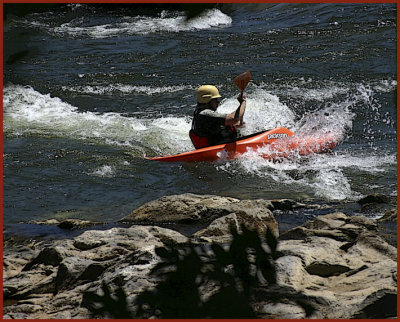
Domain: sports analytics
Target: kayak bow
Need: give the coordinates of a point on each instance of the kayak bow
(278, 143)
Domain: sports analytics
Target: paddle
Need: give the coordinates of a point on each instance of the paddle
(241, 82)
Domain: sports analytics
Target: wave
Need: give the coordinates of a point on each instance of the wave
(124, 89)
(28, 112)
(309, 89)
(167, 21)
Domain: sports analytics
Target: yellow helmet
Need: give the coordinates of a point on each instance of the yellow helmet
(206, 93)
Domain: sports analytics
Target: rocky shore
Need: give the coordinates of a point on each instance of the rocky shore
(344, 265)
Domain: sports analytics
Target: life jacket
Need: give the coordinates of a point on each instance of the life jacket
(198, 141)
(209, 132)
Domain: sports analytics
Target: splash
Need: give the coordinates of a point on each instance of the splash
(123, 89)
(325, 175)
(27, 111)
(264, 111)
(140, 25)
(106, 171)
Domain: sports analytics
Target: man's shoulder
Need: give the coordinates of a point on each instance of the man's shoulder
(211, 113)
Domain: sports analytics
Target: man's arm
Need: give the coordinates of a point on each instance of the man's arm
(236, 118)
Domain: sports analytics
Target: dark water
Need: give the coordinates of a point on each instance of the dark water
(89, 90)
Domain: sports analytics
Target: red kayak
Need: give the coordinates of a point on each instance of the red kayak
(273, 144)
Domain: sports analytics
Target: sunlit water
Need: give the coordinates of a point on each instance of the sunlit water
(100, 89)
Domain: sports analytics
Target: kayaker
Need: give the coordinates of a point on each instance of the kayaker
(210, 127)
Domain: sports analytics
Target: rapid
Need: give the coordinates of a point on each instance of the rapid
(101, 87)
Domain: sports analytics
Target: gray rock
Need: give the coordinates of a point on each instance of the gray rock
(389, 216)
(286, 204)
(374, 198)
(343, 271)
(76, 224)
(122, 256)
(48, 256)
(47, 222)
(219, 229)
(40, 280)
(70, 271)
(336, 263)
(191, 208)
(380, 304)
(387, 226)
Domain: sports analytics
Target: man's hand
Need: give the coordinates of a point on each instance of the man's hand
(240, 125)
(241, 98)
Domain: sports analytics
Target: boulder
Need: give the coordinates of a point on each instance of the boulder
(374, 198)
(190, 208)
(76, 224)
(119, 256)
(337, 264)
(342, 261)
(286, 204)
(219, 230)
(387, 226)
(377, 203)
(48, 256)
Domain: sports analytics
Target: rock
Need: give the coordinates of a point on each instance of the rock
(46, 222)
(376, 244)
(69, 272)
(280, 311)
(389, 216)
(191, 208)
(337, 264)
(374, 198)
(219, 229)
(291, 304)
(325, 269)
(339, 259)
(48, 256)
(380, 304)
(362, 221)
(186, 208)
(377, 203)
(387, 226)
(15, 258)
(286, 204)
(76, 224)
(122, 256)
(37, 281)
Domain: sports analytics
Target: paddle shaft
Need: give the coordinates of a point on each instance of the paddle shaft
(241, 82)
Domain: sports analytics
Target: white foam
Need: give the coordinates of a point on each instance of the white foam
(166, 22)
(327, 90)
(385, 86)
(28, 111)
(332, 184)
(335, 118)
(263, 111)
(106, 171)
(124, 89)
(324, 174)
(318, 94)
(360, 161)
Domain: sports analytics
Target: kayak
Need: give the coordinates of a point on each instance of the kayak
(273, 144)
